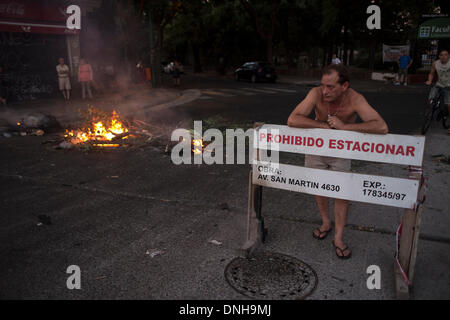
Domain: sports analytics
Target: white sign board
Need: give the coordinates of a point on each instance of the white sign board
(393, 53)
(387, 148)
(395, 192)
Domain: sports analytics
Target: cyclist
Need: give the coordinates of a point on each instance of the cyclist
(442, 68)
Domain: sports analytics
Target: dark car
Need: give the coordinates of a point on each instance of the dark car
(256, 71)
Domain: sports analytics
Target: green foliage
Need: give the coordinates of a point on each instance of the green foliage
(225, 31)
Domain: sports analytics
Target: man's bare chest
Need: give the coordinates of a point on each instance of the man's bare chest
(344, 111)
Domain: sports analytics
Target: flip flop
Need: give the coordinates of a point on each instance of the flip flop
(319, 237)
(343, 257)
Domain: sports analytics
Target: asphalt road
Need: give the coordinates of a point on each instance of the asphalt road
(108, 211)
(272, 103)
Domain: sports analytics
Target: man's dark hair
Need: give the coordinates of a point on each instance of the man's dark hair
(341, 70)
(442, 50)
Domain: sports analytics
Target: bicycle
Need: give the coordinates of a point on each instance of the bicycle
(436, 104)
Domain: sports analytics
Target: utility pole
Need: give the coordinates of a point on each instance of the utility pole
(152, 52)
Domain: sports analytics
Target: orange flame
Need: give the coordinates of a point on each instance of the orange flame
(98, 131)
(197, 146)
(107, 145)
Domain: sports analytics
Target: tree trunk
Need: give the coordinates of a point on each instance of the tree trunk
(291, 59)
(196, 55)
(352, 56)
(156, 67)
(315, 57)
(345, 57)
(155, 55)
(372, 53)
(269, 43)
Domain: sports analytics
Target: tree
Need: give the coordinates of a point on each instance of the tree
(264, 28)
(142, 24)
(129, 13)
(161, 12)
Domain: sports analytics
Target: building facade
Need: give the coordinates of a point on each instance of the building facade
(33, 36)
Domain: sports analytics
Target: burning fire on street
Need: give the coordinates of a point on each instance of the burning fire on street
(97, 129)
(101, 130)
(197, 146)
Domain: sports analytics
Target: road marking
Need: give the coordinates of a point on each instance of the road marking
(217, 93)
(260, 91)
(237, 92)
(207, 93)
(281, 90)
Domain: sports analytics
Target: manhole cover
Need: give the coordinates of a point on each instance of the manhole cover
(270, 275)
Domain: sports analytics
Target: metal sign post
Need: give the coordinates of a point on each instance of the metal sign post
(255, 223)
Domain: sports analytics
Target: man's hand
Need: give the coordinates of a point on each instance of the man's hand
(335, 123)
(324, 125)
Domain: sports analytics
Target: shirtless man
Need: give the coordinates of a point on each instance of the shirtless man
(336, 106)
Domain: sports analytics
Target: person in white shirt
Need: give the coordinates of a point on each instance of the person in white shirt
(441, 68)
(335, 59)
(63, 79)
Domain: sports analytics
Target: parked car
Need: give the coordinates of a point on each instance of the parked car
(256, 71)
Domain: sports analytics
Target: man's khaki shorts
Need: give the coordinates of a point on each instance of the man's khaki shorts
(403, 72)
(327, 163)
(64, 83)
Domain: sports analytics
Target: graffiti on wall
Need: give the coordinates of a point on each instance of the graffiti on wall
(29, 62)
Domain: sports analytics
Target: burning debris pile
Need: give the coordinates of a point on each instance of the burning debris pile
(97, 129)
(101, 129)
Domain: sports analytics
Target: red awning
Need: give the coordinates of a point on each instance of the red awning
(34, 17)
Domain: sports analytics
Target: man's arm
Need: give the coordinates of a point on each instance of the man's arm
(410, 63)
(372, 121)
(299, 117)
(431, 74)
(62, 71)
